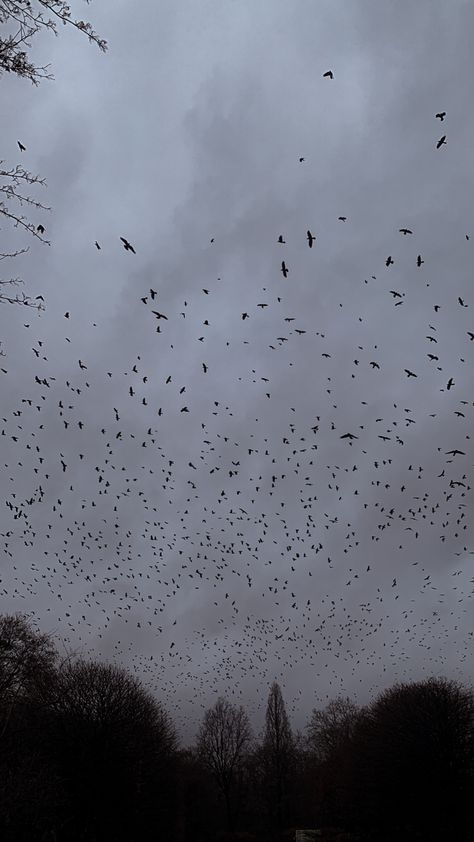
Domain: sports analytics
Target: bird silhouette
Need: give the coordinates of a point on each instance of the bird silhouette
(22, 148)
(441, 115)
(441, 141)
(127, 246)
(284, 269)
(328, 75)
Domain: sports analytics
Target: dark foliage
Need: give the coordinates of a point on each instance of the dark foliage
(87, 754)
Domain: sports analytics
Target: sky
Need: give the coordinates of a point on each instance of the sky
(180, 495)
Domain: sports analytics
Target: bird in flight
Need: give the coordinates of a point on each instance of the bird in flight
(405, 231)
(441, 115)
(22, 148)
(40, 228)
(349, 436)
(328, 75)
(342, 218)
(441, 141)
(284, 269)
(419, 260)
(410, 373)
(388, 261)
(301, 160)
(127, 246)
(97, 245)
(280, 239)
(310, 238)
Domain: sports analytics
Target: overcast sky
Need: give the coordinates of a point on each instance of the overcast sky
(242, 541)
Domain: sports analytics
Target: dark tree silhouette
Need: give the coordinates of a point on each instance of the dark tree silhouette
(278, 755)
(223, 740)
(114, 747)
(331, 728)
(413, 760)
(27, 658)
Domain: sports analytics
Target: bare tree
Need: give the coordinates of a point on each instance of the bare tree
(26, 659)
(223, 738)
(114, 745)
(278, 751)
(413, 760)
(14, 196)
(21, 20)
(330, 729)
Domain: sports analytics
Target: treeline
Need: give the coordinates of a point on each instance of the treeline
(88, 755)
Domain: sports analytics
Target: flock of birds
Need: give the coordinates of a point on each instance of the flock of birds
(218, 532)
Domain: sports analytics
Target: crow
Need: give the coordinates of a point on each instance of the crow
(127, 246)
(22, 148)
(388, 261)
(284, 269)
(441, 115)
(441, 141)
(328, 75)
(311, 239)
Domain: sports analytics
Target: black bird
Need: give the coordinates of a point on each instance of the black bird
(470, 334)
(410, 373)
(280, 238)
(342, 218)
(455, 453)
(284, 269)
(40, 228)
(441, 115)
(389, 261)
(97, 245)
(441, 141)
(328, 75)
(301, 160)
(159, 315)
(311, 239)
(348, 436)
(152, 293)
(22, 148)
(127, 246)
(419, 261)
(405, 231)
(461, 301)
(450, 383)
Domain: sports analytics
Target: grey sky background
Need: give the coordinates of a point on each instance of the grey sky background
(222, 577)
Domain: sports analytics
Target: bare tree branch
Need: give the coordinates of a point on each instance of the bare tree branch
(28, 18)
